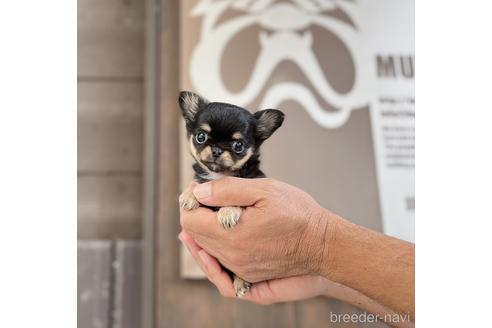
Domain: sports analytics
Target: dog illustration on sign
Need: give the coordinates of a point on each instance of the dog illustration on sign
(284, 36)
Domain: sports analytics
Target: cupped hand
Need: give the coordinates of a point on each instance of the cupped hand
(282, 231)
(265, 292)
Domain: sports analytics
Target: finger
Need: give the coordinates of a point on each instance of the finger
(285, 289)
(230, 191)
(193, 248)
(209, 265)
(216, 275)
(191, 185)
(202, 221)
(189, 242)
(260, 293)
(265, 293)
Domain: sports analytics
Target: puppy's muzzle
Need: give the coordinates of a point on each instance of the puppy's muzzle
(216, 152)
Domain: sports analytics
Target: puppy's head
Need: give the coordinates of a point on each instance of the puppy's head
(223, 137)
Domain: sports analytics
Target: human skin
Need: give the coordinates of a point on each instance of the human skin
(292, 248)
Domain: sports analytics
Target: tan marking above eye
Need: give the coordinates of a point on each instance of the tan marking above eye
(206, 127)
(237, 135)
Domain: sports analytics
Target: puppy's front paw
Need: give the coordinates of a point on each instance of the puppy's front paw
(229, 216)
(241, 287)
(187, 201)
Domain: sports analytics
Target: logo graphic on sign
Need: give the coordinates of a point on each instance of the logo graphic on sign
(285, 36)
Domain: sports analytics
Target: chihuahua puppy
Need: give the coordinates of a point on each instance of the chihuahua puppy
(225, 140)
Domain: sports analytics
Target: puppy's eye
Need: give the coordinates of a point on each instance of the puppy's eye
(238, 147)
(201, 137)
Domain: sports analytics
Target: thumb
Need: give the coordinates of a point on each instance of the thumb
(230, 191)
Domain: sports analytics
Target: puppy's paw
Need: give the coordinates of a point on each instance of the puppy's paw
(229, 216)
(241, 287)
(187, 201)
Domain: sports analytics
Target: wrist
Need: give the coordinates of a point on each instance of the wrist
(321, 243)
(328, 266)
(348, 250)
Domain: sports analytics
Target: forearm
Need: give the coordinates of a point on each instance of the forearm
(376, 265)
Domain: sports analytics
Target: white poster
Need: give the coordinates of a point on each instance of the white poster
(392, 108)
(342, 71)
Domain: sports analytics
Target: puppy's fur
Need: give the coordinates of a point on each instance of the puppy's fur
(225, 139)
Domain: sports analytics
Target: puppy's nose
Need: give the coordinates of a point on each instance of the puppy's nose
(216, 151)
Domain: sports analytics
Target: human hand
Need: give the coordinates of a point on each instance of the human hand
(282, 231)
(285, 289)
(265, 292)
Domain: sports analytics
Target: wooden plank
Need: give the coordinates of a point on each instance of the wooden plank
(93, 284)
(127, 284)
(150, 160)
(109, 206)
(110, 38)
(110, 126)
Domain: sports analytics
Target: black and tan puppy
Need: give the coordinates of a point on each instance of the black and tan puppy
(225, 140)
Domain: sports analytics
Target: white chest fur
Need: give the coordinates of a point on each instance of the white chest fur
(211, 176)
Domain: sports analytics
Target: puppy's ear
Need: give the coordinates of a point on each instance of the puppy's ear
(190, 104)
(267, 121)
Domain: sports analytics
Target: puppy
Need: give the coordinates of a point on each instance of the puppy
(225, 140)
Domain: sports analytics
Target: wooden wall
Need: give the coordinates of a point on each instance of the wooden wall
(110, 125)
(109, 281)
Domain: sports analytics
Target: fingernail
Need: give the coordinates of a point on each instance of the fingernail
(203, 190)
